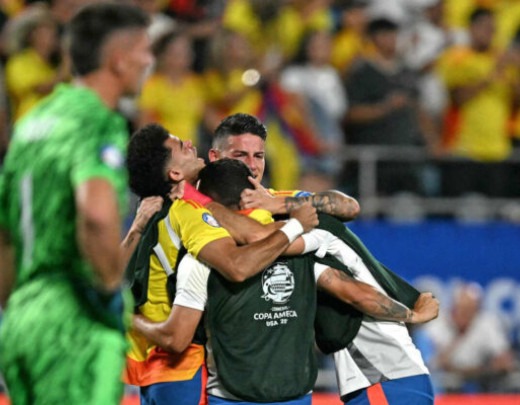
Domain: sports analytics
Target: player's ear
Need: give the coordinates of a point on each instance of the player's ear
(213, 155)
(175, 175)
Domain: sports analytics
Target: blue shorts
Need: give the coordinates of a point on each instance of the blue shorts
(305, 400)
(416, 390)
(188, 392)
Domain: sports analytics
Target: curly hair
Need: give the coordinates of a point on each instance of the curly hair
(146, 161)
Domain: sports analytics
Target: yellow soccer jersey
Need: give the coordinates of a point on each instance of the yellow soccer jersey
(191, 225)
(24, 71)
(259, 215)
(179, 107)
(483, 123)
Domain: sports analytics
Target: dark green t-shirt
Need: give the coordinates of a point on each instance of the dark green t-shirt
(261, 331)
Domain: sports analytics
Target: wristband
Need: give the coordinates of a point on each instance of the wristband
(191, 193)
(292, 229)
(313, 240)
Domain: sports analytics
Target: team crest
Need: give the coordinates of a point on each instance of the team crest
(277, 283)
(210, 220)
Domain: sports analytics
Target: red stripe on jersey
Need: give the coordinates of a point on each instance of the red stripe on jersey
(376, 395)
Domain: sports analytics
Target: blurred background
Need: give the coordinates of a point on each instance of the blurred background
(411, 106)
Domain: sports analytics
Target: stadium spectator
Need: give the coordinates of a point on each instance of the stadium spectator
(311, 76)
(30, 72)
(275, 28)
(472, 353)
(384, 110)
(173, 95)
(482, 85)
(350, 42)
(161, 23)
(421, 43)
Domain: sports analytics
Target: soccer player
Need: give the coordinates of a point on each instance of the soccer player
(260, 331)
(158, 161)
(62, 196)
(242, 136)
(363, 368)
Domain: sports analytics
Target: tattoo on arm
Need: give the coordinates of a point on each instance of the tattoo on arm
(326, 202)
(388, 309)
(366, 298)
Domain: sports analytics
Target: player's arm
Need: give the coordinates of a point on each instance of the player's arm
(371, 302)
(330, 202)
(176, 333)
(98, 231)
(7, 274)
(243, 229)
(173, 335)
(147, 208)
(237, 263)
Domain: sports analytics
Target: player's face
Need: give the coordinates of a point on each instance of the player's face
(135, 61)
(248, 148)
(185, 165)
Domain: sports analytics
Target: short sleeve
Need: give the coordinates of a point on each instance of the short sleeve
(192, 282)
(102, 155)
(319, 269)
(195, 225)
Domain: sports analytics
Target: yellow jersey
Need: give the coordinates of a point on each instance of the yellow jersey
(187, 224)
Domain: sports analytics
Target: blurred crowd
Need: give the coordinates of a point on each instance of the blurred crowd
(438, 75)
(469, 348)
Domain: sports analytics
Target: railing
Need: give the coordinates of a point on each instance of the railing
(406, 206)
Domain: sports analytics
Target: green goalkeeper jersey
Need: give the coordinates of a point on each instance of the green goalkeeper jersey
(67, 139)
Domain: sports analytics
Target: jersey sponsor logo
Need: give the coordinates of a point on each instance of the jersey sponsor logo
(210, 220)
(112, 156)
(277, 283)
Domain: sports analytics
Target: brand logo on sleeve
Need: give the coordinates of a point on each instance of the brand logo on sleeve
(210, 220)
(112, 157)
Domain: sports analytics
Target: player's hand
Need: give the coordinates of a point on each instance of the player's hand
(257, 198)
(177, 190)
(147, 208)
(426, 308)
(307, 215)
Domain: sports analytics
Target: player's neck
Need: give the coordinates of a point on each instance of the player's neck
(103, 84)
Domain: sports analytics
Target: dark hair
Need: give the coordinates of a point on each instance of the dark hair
(146, 161)
(479, 13)
(381, 25)
(238, 124)
(93, 25)
(160, 44)
(224, 180)
(302, 55)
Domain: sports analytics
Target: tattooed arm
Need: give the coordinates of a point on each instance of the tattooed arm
(371, 302)
(331, 202)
